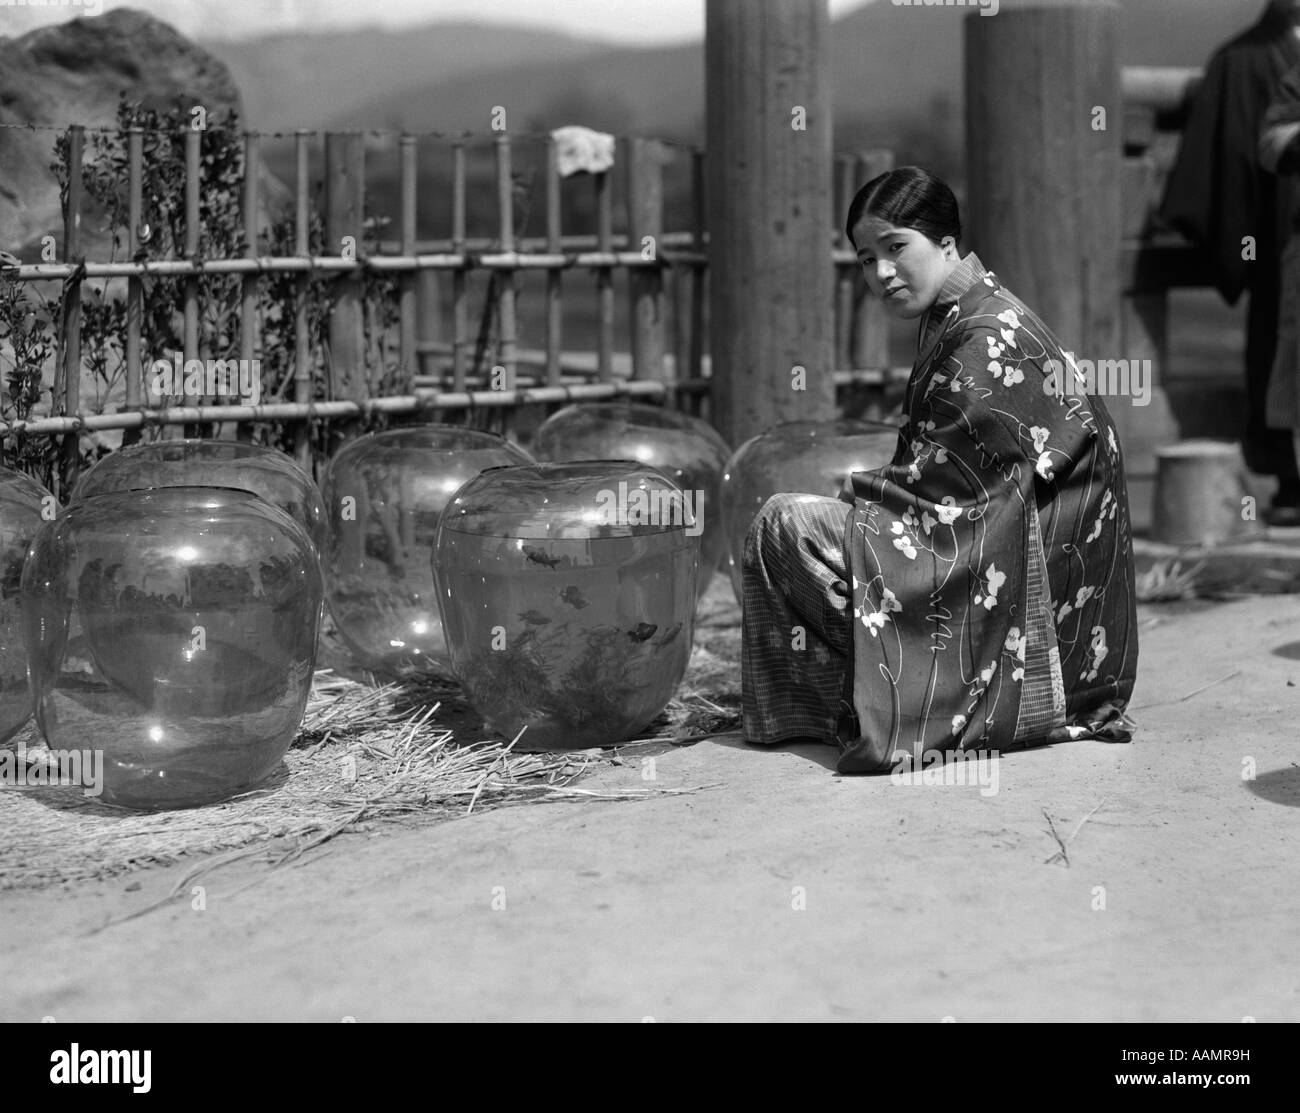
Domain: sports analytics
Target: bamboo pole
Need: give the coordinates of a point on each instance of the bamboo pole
(135, 370)
(459, 305)
(345, 167)
(645, 217)
(71, 446)
(302, 379)
(420, 401)
(478, 245)
(428, 319)
(508, 261)
(554, 289)
(249, 286)
(604, 279)
(507, 338)
(337, 410)
(409, 306)
(193, 183)
(699, 278)
(428, 297)
(679, 337)
(581, 367)
(680, 280)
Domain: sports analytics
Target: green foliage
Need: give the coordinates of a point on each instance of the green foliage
(30, 325)
(27, 323)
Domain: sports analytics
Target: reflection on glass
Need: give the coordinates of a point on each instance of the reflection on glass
(21, 503)
(689, 451)
(384, 496)
(266, 472)
(191, 675)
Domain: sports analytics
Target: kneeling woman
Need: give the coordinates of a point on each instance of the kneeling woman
(978, 591)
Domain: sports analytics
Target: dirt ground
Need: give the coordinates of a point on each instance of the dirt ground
(775, 890)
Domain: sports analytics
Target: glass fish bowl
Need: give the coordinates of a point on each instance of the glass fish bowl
(266, 472)
(568, 595)
(797, 457)
(384, 496)
(174, 630)
(686, 449)
(24, 507)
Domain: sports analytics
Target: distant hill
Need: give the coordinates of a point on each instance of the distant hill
(896, 76)
(890, 66)
(307, 80)
(896, 73)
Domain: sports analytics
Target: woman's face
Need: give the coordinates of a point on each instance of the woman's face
(904, 268)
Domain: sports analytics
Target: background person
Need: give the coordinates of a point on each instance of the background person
(1218, 194)
(1279, 152)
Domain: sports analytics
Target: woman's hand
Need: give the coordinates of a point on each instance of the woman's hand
(847, 493)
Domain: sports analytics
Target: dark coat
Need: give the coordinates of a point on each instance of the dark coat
(1217, 193)
(1283, 401)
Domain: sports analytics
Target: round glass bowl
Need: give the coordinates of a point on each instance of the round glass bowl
(384, 496)
(568, 595)
(798, 457)
(687, 450)
(174, 630)
(24, 507)
(266, 472)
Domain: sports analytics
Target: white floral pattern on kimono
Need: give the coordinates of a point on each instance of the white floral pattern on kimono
(998, 462)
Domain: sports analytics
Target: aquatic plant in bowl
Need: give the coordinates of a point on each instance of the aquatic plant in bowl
(567, 592)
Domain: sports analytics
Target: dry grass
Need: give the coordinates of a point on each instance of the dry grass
(365, 754)
(1165, 581)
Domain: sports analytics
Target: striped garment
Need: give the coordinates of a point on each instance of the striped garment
(795, 629)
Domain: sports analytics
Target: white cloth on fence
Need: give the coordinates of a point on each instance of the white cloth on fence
(578, 148)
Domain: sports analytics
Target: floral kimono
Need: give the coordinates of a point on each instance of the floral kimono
(991, 562)
(979, 592)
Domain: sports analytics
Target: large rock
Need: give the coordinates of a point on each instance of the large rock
(74, 73)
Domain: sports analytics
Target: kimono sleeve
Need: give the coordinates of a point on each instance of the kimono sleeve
(1004, 400)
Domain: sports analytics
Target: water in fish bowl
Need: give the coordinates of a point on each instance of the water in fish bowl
(577, 642)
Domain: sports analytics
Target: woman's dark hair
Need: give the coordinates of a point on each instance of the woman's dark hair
(908, 197)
